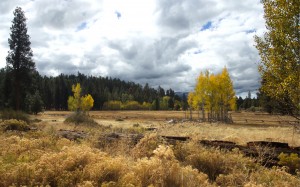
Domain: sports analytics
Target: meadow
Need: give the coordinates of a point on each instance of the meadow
(45, 156)
(247, 126)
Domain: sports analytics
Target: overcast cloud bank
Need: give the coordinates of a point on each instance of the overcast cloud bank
(162, 42)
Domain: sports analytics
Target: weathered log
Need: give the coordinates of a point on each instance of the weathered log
(178, 138)
(72, 134)
(268, 152)
(268, 144)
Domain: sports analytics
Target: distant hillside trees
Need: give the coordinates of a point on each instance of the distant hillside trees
(249, 103)
(213, 94)
(19, 64)
(279, 49)
(106, 92)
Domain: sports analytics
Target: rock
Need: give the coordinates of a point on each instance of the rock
(172, 121)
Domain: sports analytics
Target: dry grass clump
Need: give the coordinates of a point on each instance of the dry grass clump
(129, 130)
(214, 162)
(291, 161)
(12, 114)
(15, 149)
(164, 170)
(146, 146)
(81, 118)
(272, 177)
(14, 125)
(84, 166)
(225, 168)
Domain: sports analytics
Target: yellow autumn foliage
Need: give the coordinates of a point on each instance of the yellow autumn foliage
(279, 50)
(78, 102)
(213, 93)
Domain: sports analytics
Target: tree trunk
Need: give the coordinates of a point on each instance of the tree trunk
(203, 112)
(17, 96)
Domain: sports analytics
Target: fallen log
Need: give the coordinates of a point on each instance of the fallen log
(266, 152)
(176, 138)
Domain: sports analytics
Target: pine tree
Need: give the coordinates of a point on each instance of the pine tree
(19, 61)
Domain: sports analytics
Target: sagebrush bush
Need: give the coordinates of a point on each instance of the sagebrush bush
(14, 125)
(213, 162)
(21, 149)
(272, 177)
(12, 114)
(81, 118)
(146, 146)
(164, 170)
(292, 161)
(84, 166)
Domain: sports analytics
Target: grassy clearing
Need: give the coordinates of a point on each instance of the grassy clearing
(40, 158)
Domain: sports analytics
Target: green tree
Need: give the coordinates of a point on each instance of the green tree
(34, 103)
(2, 79)
(19, 61)
(279, 49)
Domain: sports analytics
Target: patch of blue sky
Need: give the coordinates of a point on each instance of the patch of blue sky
(208, 25)
(82, 26)
(250, 31)
(118, 14)
(197, 52)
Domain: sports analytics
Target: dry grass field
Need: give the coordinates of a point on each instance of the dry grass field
(51, 154)
(247, 126)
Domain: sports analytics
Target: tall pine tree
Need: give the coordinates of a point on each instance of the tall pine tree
(19, 63)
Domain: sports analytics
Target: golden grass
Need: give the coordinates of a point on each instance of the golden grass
(239, 132)
(40, 158)
(48, 160)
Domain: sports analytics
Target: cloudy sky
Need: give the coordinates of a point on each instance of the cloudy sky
(160, 42)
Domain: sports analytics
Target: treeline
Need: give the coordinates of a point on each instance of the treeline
(108, 93)
(249, 103)
(261, 102)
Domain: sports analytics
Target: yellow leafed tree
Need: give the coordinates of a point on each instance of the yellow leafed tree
(279, 49)
(80, 103)
(214, 94)
(227, 91)
(87, 102)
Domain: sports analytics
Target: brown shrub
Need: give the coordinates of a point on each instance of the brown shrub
(213, 162)
(164, 170)
(14, 125)
(146, 146)
(12, 114)
(273, 177)
(81, 118)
